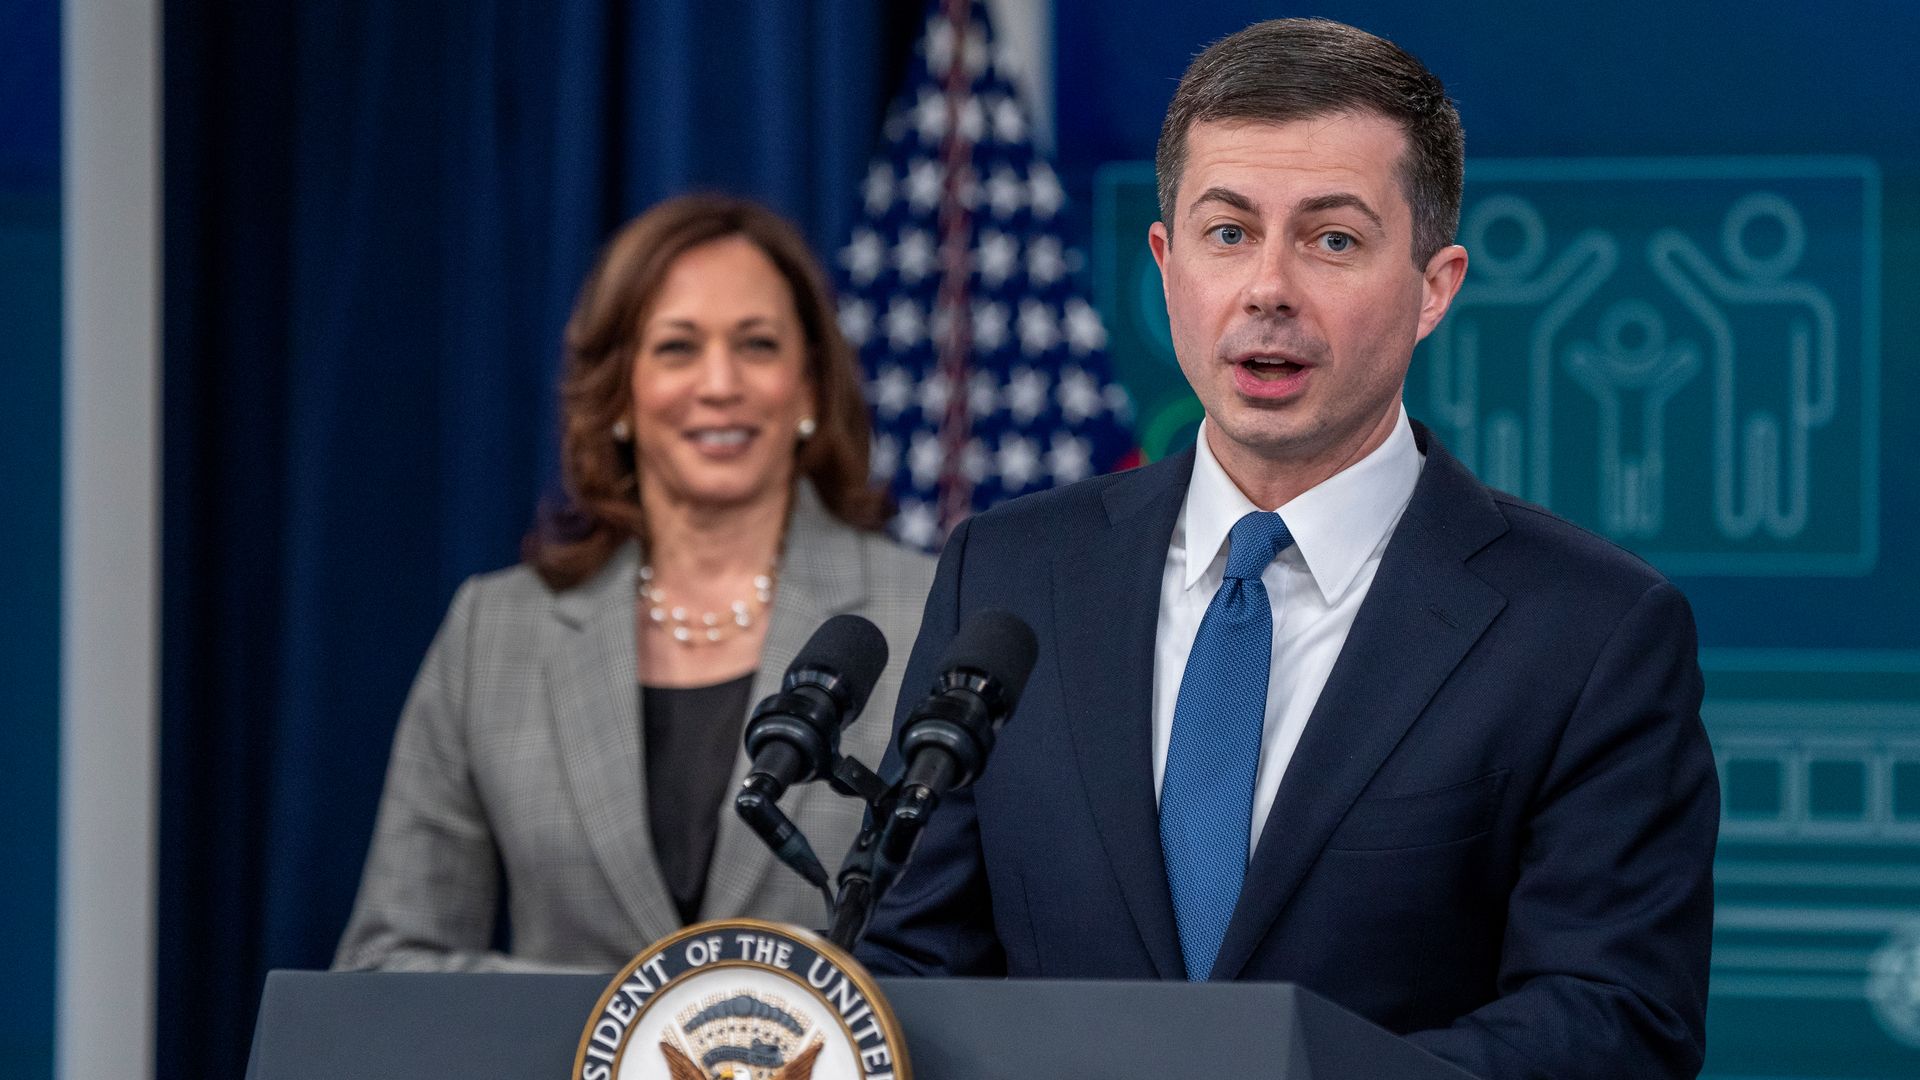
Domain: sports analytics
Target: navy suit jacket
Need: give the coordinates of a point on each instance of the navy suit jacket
(1497, 831)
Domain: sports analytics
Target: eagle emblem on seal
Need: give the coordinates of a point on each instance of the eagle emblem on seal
(742, 1036)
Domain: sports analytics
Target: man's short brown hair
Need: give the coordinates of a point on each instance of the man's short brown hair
(1284, 70)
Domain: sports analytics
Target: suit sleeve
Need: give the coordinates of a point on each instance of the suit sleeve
(938, 919)
(428, 895)
(1604, 960)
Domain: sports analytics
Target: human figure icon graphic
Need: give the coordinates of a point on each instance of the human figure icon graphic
(1501, 428)
(1762, 454)
(1632, 372)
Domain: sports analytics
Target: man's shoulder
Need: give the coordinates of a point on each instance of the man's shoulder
(1520, 546)
(1045, 517)
(1544, 548)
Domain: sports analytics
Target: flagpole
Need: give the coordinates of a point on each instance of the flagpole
(956, 268)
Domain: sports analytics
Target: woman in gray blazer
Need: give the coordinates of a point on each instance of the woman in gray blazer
(573, 735)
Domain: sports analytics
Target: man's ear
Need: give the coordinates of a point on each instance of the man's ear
(1439, 284)
(1160, 241)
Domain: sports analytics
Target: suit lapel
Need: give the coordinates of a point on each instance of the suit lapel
(1107, 606)
(593, 687)
(1422, 614)
(822, 574)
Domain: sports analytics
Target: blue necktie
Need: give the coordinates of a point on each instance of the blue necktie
(1206, 792)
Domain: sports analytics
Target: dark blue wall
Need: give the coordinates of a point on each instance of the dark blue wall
(30, 492)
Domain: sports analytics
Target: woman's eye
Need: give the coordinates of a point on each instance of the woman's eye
(762, 344)
(1229, 235)
(673, 346)
(1337, 242)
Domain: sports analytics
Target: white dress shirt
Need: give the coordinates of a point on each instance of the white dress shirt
(1340, 528)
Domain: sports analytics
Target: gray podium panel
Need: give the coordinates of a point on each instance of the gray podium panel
(326, 1026)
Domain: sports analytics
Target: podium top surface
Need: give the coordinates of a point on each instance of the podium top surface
(372, 1026)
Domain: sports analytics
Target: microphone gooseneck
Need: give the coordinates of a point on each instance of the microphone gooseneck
(793, 737)
(944, 742)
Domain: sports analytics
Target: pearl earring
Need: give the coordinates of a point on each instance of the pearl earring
(621, 432)
(807, 427)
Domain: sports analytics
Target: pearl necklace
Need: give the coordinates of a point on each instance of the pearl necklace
(708, 627)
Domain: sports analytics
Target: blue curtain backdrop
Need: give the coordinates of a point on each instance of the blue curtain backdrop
(30, 450)
(376, 216)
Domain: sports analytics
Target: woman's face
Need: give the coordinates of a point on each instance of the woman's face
(720, 381)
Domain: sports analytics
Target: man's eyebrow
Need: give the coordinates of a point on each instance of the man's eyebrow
(1224, 195)
(1342, 200)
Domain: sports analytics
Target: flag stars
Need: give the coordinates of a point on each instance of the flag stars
(1005, 193)
(989, 326)
(917, 524)
(1026, 394)
(1078, 394)
(975, 463)
(1084, 331)
(966, 190)
(942, 42)
(1009, 123)
(994, 257)
(884, 459)
(933, 396)
(856, 321)
(1044, 191)
(941, 327)
(1046, 260)
(877, 190)
(899, 122)
(973, 120)
(905, 325)
(983, 394)
(915, 255)
(1029, 378)
(925, 177)
(1006, 60)
(930, 116)
(1069, 459)
(864, 256)
(1038, 331)
(1018, 461)
(892, 391)
(925, 459)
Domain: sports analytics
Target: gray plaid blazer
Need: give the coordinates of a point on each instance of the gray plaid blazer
(519, 753)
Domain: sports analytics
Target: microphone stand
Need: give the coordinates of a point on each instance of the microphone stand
(877, 857)
(861, 872)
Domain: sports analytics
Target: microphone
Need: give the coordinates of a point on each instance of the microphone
(794, 735)
(946, 739)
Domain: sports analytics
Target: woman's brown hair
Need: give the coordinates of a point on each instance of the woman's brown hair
(602, 509)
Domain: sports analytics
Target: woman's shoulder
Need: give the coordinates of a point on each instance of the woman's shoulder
(517, 587)
(515, 599)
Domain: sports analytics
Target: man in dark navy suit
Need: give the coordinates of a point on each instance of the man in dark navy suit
(1312, 703)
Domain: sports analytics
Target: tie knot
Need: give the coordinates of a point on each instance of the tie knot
(1254, 541)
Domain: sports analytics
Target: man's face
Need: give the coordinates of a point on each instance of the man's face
(1292, 293)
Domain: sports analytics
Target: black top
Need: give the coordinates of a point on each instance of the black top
(692, 738)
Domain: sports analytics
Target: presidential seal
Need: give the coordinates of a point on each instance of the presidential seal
(742, 999)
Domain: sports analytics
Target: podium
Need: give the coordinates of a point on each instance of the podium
(376, 1026)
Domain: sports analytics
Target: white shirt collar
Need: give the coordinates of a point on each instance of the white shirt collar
(1336, 525)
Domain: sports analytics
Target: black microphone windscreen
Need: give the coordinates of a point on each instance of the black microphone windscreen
(850, 647)
(997, 643)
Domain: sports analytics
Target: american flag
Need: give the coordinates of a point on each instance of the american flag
(985, 363)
